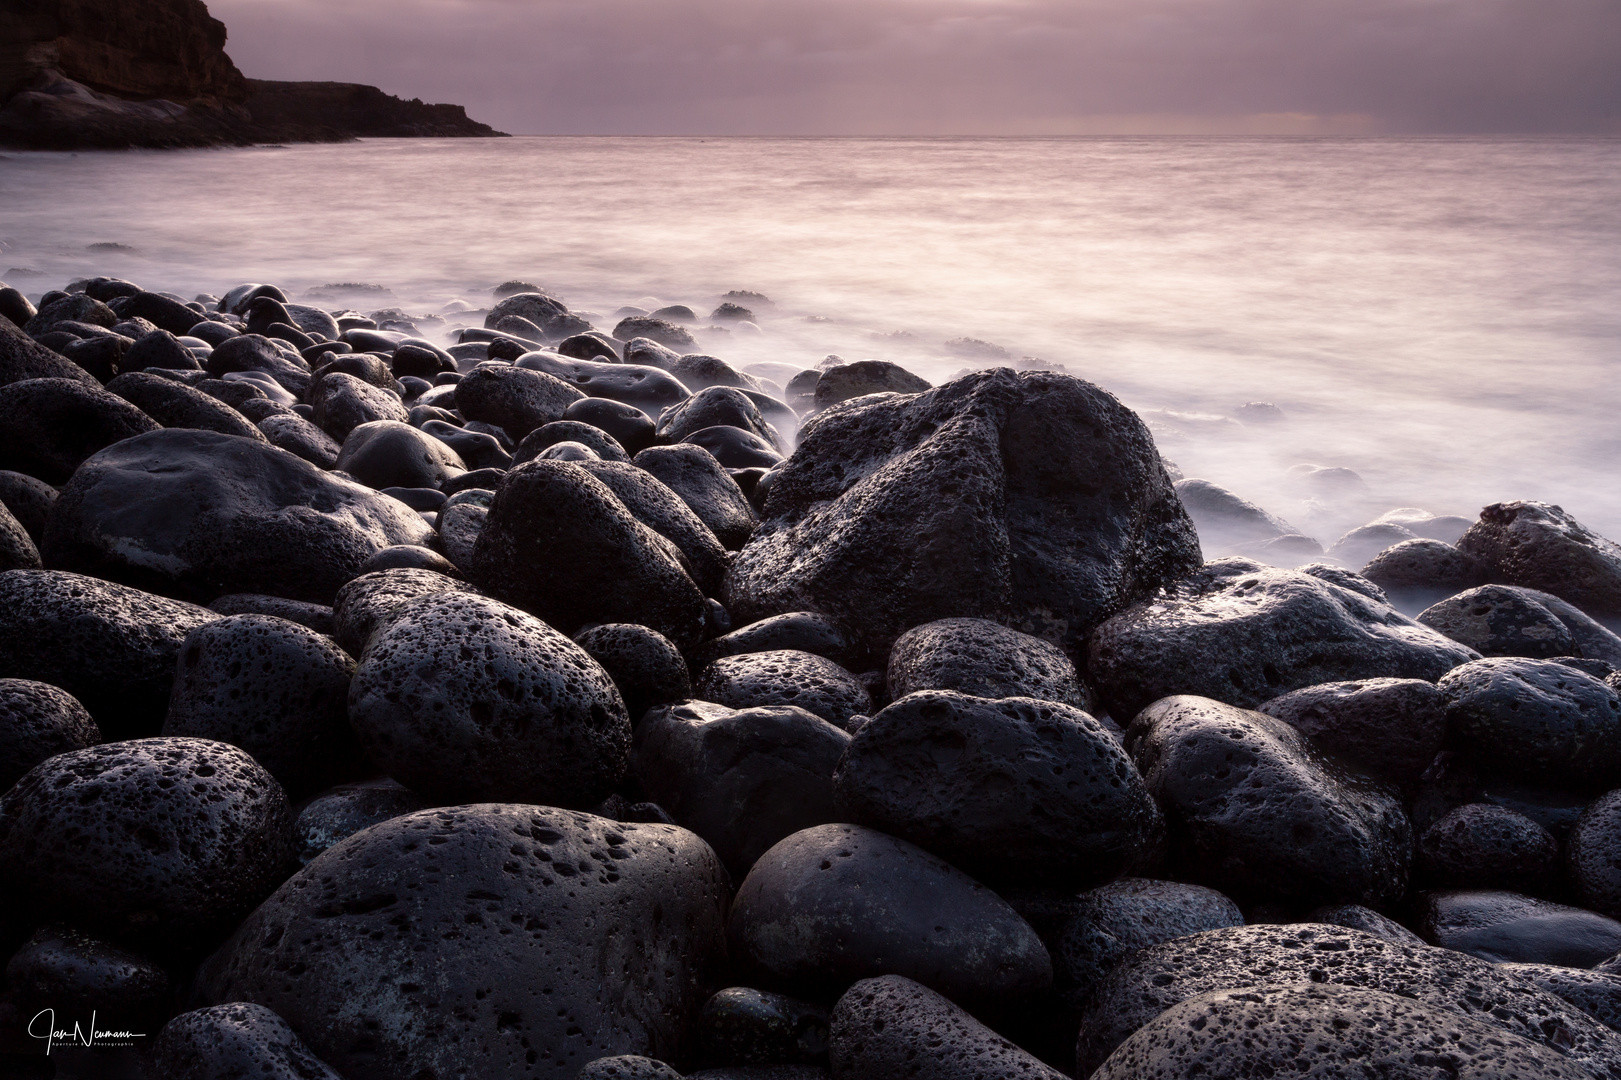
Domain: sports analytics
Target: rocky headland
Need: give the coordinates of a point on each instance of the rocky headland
(106, 74)
(384, 698)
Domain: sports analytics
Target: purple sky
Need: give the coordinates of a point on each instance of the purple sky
(946, 67)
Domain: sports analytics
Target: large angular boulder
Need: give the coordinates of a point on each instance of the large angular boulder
(1253, 809)
(1152, 980)
(111, 647)
(1242, 633)
(560, 545)
(1036, 500)
(486, 940)
(49, 426)
(1538, 545)
(1013, 791)
(197, 514)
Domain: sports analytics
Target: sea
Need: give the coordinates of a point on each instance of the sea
(1440, 316)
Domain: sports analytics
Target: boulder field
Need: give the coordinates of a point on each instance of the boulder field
(530, 700)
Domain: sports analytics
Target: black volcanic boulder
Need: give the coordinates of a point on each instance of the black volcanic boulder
(111, 647)
(891, 1028)
(1505, 927)
(648, 388)
(465, 699)
(236, 1040)
(804, 631)
(17, 550)
(785, 677)
(979, 657)
(721, 405)
(49, 426)
(75, 307)
(29, 500)
(484, 940)
(175, 405)
(196, 514)
(37, 721)
(662, 510)
(1253, 809)
(74, 973)
(1301, 1032)
(1152, 980)
(1595, 993)
(1243, 633)
(1500, 620)
(162, 844)
(845, 381)
(343, 403)
(1539, 546)
(559, 544)
(644, 665)
(1389, 728)
(746, 1027)
(252, 352)
(836, 903)
(1536, 720)
(657, 330)
(23, 358)
(1013, 791)
(299, 437)
(1482, 846)
(742, 780)
(160, 311)
(1595, 855)
(1035, 500)
(387, 453)
(339, 813)
(514, 399)
(276, 689)
(706, 487)
(364, 603)
(531, 304)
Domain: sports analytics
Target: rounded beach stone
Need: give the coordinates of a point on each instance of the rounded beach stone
(742, 780)
(891, 1028)
(22, 358)
(1498, 621)
(1365, 919)
(515, 399)
(17, 550)
(29, 501)
(837, 903)
(716, 406)
(1538, 545)
(1595, 855)
(1389, 728)
(386, 453)
(983, 658)
(1310, 1031)
(845, 381)
(474, 939)
(173, 840)
(644, 665)
(301, 438)
(629, 426)
(317, 617)
(627, 1067)
(785, 677)
(662, 510)
(341, 812)
(804, 631)
(175, 405)
(1425, 564)
(465, 699)
(364, 602)
(48, 427)
(1013, 791)
(604, 445)
(343, 403)
(240, 1039)
(276, 689)
(1595, 993)
(744, 1026)
(37, 721)
(1481, 846)
(253, 352)
(159, 349)
(706, 487)
(1506, 927)
(1537, 721)
(73, 973)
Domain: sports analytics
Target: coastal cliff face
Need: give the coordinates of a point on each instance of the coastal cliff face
(108, 74)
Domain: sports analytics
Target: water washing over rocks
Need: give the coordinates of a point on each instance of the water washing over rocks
(529, 694)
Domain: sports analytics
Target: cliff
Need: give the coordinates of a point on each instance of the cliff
(110, 74)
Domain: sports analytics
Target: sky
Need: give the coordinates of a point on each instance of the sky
(963, 67)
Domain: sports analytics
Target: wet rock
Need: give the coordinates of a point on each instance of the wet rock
(1536, 720)
(785, 677)
(1361, 544)
(845, 381)
(705, 486)
(735, 448)
(420, 359)
(112, 647)
(589, 346)
(519, 979)
(272, 687)
(17, 550)
(76, 307)
(1498, 621)
(629, 426)
(1365, 919)
(174, 840)
(22, 358)
(1595, 993)
(301, 438)
(656, 330)
(1423, 565)
(837, 903)
(1539, 546)
(236, 1040)
(600, 442)
(979, 657)
(75, 974)
(364, 603)
(717, 405)
(891, 1027)
(1254, 810)
(29, 501)
(1153, 980)
(1388, 728)
(196, 514)
(343, 403)
(387, 453)
(410, 557)
(1595, 855)
(1013, 791)
(559, 544)
(37, 721)
(340, 812)
(176, 406)
(1225, 520)
(661, 510)
(459, 530)
(464, 699)
(648, 388)
(254, 352)
(160, 311)
(627, 1067)
(802, 631)
(1243, 633)
(49, 426)
(742, 780)
(646, 668)
(901, 510)
(1506, 927)
(317, 617)
(699, 372)
(1481, 846)
(1310, 1031)
(515, 399)
(744, 1026)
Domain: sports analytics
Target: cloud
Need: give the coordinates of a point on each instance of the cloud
(944, 67)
